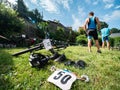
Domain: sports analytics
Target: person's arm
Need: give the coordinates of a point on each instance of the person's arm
(110, 31)
(98, 23)
(85, 24)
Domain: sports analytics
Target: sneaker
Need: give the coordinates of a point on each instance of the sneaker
(99, 51)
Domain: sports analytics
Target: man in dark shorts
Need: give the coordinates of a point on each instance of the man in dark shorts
(90, 26)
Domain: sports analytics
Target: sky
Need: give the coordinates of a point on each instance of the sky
(73, 13)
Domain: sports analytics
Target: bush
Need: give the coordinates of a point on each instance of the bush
(112, 42)
(116, 41)
(81, 39)
(100, 41)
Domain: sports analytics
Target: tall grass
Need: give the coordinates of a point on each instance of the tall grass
(103, 70)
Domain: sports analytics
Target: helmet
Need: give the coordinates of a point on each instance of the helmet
(37, 60)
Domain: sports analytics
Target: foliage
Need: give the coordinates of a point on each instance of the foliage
(103, 24)
(81, 39)
(81, 31)
(116, 41)
(73, 35)
(60, 32)
(35, 16)
(22, 9)
(9, 22)
(115, 30)
(43, 28)
(102, 69)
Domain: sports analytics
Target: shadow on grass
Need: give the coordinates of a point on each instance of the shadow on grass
(6, 68)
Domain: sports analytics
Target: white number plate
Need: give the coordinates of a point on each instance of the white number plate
(62, 79)
(47, 44)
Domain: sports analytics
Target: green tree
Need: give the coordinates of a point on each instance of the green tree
(43, 26)
(81, 31)
(22, 9)
(115, 30)
(35, 16)
(9, 22)
(103, 24)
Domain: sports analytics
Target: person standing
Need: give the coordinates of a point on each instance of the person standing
(91, 25)
(105, 32)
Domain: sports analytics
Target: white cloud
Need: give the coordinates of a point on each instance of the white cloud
(88, 1)
(65, 3)
(108, 1)
(54, 6)
(93, 2)
(96, 2)
(115, 15)
(34, 1)
(12, 1)
(117, 7)
(81, 12)
(49, 6)
(107, 6)
(26, 4)
(76, 22)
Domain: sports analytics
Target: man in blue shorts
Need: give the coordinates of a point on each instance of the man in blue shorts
(105, 32)
(90, 26)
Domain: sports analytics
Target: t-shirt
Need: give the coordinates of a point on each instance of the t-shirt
(105, 32)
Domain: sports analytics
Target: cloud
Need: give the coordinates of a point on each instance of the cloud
(12, 1)
(95, 3)
(88, 1)
(65, 3)
(108, 3)
(117, 7)
(107, 6)
(81, 12)
(54, 6)
(49, 6)
(76, 22)
(78, 19)
(115, 15)
(34, 1)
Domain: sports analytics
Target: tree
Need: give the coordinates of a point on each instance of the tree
(43, 26)
(9, 22)
(22, 9)
(35, 16)
(115, 30)
(103, 24)
(81, 31)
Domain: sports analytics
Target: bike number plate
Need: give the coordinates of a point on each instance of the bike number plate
(62, 79)
(47, 44)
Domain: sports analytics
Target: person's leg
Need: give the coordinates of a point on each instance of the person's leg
(89, 43)
(108, 43)
(95, 36)
(97, 44)
(103, 42)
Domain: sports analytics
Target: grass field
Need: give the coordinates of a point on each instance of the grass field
(103, 70)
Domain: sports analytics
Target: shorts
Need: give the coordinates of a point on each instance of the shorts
(106, 38)
(92, 34)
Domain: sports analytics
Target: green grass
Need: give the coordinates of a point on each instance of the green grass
(103, 70)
